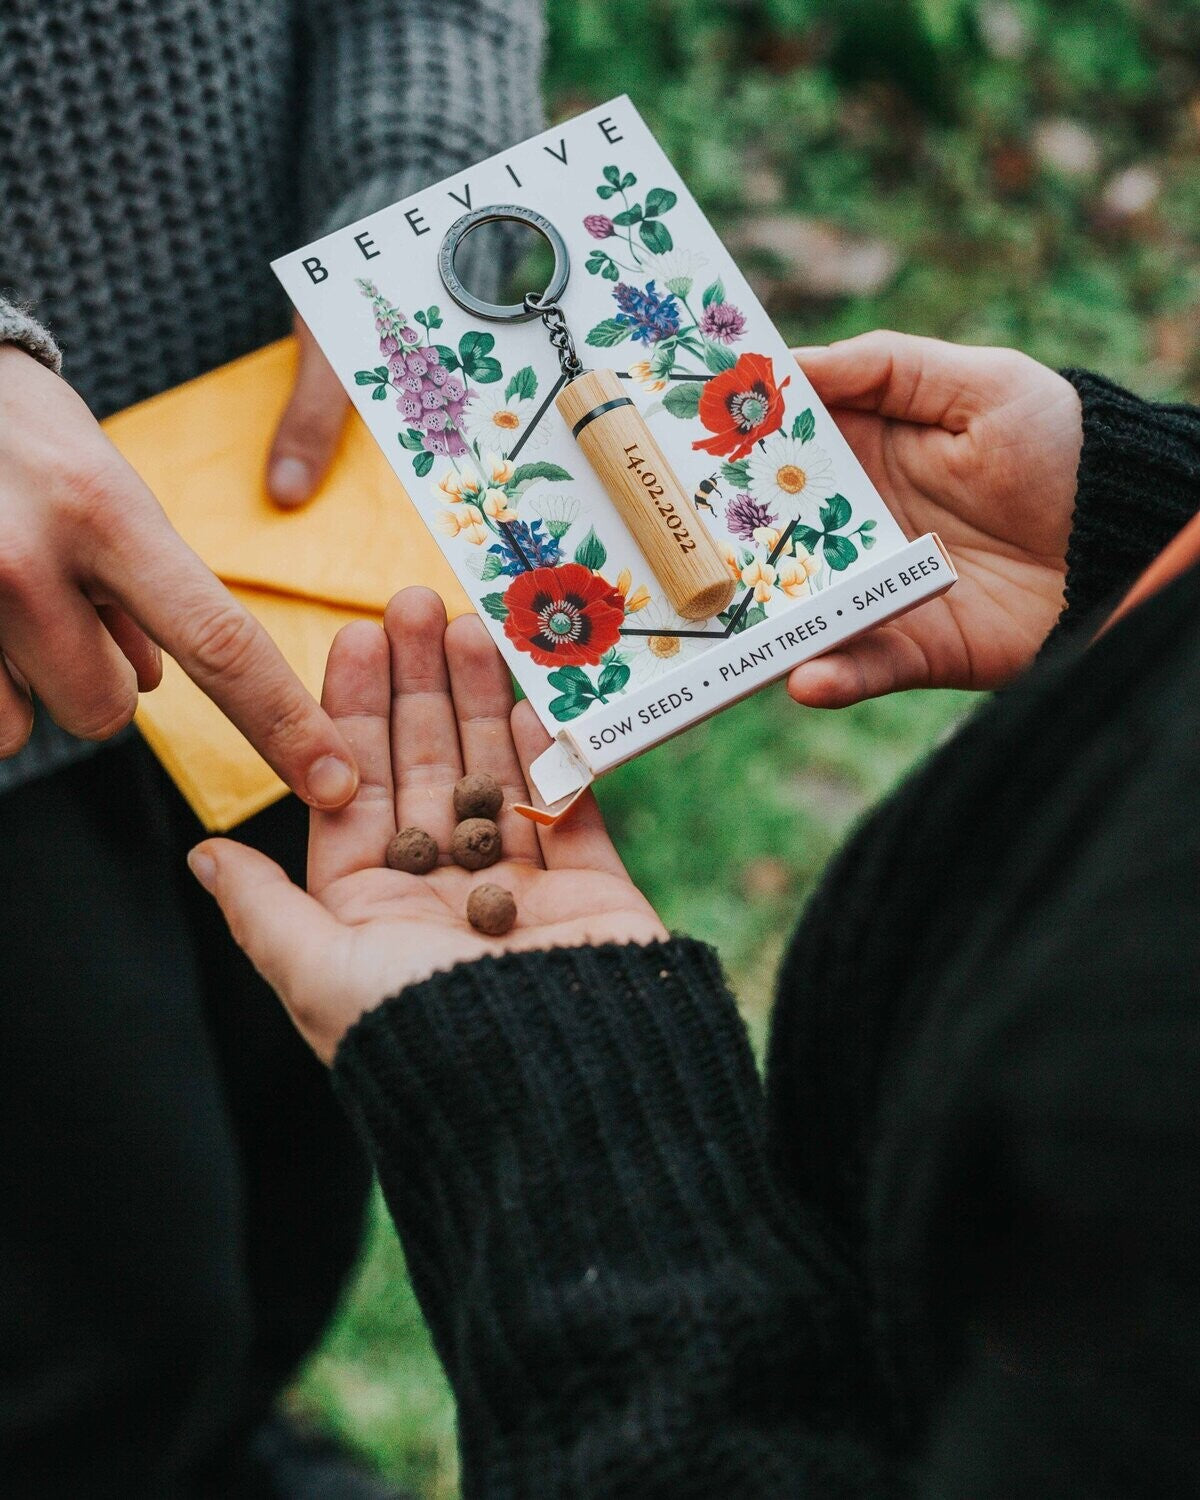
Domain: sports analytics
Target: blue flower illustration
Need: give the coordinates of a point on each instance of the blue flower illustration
(651, 316)
(540, 549)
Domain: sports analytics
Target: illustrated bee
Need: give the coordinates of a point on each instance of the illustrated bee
(705, 490)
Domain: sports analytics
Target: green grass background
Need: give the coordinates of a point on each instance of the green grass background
(918, 123)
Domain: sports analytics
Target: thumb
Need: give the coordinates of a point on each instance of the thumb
(310, 427)
(883, 661)
(281, 929)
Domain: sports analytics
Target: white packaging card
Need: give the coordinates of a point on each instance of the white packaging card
(463, 408)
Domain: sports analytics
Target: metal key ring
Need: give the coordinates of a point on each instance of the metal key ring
(511, 312)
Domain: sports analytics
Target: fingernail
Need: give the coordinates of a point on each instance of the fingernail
(331, 782)
(204, 867)
(291, 480)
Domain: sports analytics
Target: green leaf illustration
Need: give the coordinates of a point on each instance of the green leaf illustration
(422, 464)
(571, 705)
(613, 678)
(736, 474)
(808, 537)
(604, 265)
(474, 345)
(866, 535)
(659, 201)
(805, 426)
(835, 513)
(446, 355)
(591, 552)
(662, 361)
(717, 357)
(613, 175)
(522, 384)
(606, 190)
(495, 606)
(377, 376)
(492, 567)
(419, 317)
(576, 690)
(379, 393)
(527, 473)
(655, 236)
(683, 400)
(484, 371)
(755, 615)
(839, 551)
(433, 318)
(608, 333)
(628, 216)
(569, 680)
(628, 180)
(714, 294)
(413, 440)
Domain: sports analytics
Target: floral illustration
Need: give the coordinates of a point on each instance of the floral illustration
(469, 425)
(565, 616)
(740, 407)
(497, 421)
(646, 217)
(722, 322)
(791, 474)
(649, 316)
(660, 315)
(744, 515)
(662, 648)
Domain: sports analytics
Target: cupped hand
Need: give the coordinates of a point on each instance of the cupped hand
(308, 432)
(981, 446)
(422, 704)
(94, 581)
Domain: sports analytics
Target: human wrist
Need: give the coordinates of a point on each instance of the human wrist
(1138, 483)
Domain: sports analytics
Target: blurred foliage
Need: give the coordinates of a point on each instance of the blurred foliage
(938, 126)
(1033, 165)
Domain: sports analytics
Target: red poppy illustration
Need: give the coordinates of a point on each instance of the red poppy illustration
(740, 406)
(563, 616)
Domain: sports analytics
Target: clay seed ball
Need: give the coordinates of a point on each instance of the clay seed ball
(491, 909)
(476, 843)
(478, 796)
(413, 851)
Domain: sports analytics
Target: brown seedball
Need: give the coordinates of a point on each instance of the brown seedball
(413, 851)
(476, 843)
(478, 796)
(491, 909)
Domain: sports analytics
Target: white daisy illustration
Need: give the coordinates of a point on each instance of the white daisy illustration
(497, 423)
(790, 476)
(651, 656)
(676, 269)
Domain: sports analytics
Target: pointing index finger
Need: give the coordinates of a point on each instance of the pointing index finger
(182, 605)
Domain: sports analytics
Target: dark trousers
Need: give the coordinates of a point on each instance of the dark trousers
(180, 1197)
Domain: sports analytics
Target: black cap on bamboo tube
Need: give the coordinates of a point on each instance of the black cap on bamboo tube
(639, 480)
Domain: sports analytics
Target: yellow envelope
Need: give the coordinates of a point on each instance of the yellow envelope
(202, 449)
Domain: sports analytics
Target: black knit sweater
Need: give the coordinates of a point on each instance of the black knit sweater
(954, 1250)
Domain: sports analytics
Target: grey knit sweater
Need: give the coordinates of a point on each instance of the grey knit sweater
(156, 154)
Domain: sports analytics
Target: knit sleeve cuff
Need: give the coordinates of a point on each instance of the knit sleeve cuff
(1139, 483)
(576, 1108)
(574, 1072)
(19, 327)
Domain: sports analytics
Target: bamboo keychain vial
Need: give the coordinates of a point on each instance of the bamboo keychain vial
(635, 472)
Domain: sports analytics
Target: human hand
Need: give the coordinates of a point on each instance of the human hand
(981, 446)
(422, 705)
(93, 581)
(310, 427)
